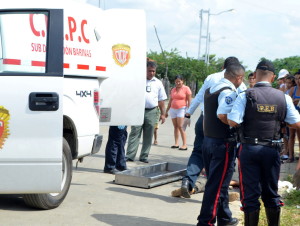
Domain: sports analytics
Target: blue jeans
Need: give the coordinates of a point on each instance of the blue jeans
(115, 151)
(195, 163)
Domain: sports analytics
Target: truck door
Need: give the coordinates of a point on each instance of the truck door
(31, 80)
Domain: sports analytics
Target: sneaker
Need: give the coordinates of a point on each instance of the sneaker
(284, 157)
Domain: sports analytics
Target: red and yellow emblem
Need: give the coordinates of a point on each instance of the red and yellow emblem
(121, 54)
(4, 118)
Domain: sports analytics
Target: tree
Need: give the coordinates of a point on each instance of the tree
(292, 64)
(192, 70)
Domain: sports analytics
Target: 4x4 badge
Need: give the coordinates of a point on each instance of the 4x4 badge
(4, 120)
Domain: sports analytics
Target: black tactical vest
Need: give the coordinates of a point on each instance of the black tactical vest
(265, 111)
(213, 126)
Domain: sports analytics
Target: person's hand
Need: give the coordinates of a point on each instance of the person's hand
(166, 115)
(162, 118)
(186, 122)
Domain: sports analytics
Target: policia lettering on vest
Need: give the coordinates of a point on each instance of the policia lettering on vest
(219, 148)
(260, 113)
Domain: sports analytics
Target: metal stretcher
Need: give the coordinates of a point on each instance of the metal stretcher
(152, 175)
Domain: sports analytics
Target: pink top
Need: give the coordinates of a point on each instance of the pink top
(179, 99)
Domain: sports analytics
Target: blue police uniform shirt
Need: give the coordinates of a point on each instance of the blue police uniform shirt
(226, 97)
(208, 82)
(238, 110)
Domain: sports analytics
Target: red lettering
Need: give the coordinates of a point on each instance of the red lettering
(34, 31)
(84, 22)
(72, 26)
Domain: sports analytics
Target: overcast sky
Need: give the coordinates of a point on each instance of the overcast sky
(255, 29)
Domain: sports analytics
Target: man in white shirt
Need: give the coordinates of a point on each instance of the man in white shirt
(155, 97)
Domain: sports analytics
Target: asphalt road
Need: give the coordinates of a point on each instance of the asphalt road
(94, 199)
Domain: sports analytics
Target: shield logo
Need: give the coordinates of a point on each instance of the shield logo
(121, 54)
(4, 120)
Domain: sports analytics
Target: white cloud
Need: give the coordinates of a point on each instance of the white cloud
(256, 29)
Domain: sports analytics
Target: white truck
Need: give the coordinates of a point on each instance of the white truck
(63, 66)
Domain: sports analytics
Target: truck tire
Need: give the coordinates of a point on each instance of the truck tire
(53, 200)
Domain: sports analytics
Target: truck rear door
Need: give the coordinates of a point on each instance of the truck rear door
(31, 111)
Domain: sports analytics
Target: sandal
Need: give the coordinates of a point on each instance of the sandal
(174, 146)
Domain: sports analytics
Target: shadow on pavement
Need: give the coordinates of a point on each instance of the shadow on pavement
(14, 203)
(121, 220)
(99, 155)
(87, 170)
(168, 199)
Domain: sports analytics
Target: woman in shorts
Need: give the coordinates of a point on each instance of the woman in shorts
(179, 102)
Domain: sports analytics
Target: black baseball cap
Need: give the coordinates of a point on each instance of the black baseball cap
(266, 65)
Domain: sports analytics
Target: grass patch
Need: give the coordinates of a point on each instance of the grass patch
(290, 214)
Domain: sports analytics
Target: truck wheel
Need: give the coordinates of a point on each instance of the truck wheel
(53, 200)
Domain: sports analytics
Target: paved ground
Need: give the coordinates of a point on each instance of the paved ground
(94, 199)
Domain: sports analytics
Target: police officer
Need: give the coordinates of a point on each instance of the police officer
(219, 148)
(261, 111)
(195, 163)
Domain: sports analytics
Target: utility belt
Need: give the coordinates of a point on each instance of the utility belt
(264, 142)
(230, 140)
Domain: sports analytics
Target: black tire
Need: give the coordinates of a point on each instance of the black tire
(53, 200)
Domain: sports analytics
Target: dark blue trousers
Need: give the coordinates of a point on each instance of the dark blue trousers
(259, 169)
(115, 151)
(218, 158)
(195, 163)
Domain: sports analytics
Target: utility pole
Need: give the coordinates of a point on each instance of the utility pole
(166, 80)
(206, 36)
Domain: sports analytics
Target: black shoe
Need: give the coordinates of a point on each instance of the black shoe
(185, 189)
(129, 160)
(121, 169)
(234, 221)
(111, 171)
(144, 160)
(183, 149)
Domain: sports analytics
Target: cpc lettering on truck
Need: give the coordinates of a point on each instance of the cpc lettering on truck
(60, 65)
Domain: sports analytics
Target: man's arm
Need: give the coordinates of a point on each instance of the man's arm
(223, 118)
(235, 117)
(161, 105)
(232, 123)
(197, 100)
(294, 126)
(225, 101)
